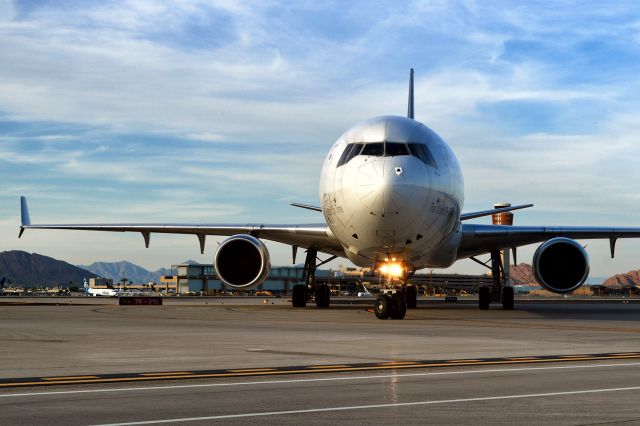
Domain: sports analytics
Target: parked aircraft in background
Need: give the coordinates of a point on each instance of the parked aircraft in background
(106, 292)
(392, 193)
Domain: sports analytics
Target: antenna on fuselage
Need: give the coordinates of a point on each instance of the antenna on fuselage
(410, 108)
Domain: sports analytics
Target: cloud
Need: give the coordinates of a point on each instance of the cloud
(200, 111)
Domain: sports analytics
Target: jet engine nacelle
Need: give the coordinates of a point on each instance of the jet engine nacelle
(242, 261)
(561, 265)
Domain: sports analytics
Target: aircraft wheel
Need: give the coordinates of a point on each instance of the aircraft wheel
(412, 296)
(507, 298)
(323, 296)
(299, 296)
(484, 298)
(383, 307)
(399, 304)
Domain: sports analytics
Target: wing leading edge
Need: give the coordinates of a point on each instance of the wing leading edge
(317, 235)
(474, 215)
(480, 239)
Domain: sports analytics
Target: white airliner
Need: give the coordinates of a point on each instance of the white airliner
(107, 292)
(391, 192)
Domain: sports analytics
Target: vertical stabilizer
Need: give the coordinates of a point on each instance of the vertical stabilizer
(410, 108)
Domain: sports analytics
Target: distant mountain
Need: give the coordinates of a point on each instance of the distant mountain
(522, 274)
(125, 269)
(28, 269)
(631, 278)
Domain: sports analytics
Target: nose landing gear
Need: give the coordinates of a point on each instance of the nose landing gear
(394, 302)
(392, 306)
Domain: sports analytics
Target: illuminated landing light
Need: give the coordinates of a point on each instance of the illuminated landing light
(392, 269)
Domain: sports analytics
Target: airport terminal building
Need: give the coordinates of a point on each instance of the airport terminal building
(202, 279)
(197, 279)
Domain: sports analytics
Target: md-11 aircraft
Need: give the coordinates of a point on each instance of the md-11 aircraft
(391, 193)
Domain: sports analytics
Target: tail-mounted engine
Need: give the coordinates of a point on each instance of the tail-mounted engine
(242, 261)
(561, 265)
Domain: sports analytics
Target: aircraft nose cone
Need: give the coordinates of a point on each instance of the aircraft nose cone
(383, 187)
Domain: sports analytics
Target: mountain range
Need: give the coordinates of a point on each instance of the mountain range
(24, 268)
(124, 269)
(631, 278)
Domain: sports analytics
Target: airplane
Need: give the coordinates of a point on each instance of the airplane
(391, 193)
(106, 292)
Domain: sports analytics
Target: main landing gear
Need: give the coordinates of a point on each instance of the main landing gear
(310, 290)
(500, 291)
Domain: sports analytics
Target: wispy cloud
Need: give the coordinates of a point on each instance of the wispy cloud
(201, 111)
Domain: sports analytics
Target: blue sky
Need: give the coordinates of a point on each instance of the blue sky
(223, 111)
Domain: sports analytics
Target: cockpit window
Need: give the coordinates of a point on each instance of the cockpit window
(374, 149)
(393, 148)
(350, 151)
(345, 154)
(357, 147)
(387, 149)
(421, 151)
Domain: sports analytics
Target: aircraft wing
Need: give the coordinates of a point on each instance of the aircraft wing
(480, 239)
(316, 236)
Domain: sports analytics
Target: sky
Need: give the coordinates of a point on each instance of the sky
(223, 111)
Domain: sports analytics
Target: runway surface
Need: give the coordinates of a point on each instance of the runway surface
(558, 364)
(576, 393)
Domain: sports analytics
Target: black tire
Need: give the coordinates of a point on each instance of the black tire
(299, 296)
(399, 304)
(412, 296)
(383, 307)
(484, 298)
(323, 296)
(507, 298)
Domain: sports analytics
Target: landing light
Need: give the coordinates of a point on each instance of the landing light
(393, 270)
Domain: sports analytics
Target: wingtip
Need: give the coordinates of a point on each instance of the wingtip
(25, 219)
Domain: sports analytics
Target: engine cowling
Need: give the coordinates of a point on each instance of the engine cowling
(561, 265)
(242, 261)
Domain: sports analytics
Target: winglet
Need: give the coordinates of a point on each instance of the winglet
(25, 220)
(410, 107)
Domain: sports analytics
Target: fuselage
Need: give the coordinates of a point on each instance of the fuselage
(391, 188)
(101, 292)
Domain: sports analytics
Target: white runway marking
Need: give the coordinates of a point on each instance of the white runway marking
(322, 379)
(365, 407)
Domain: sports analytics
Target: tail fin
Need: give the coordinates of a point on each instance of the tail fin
(25, 220)
(410, 107)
